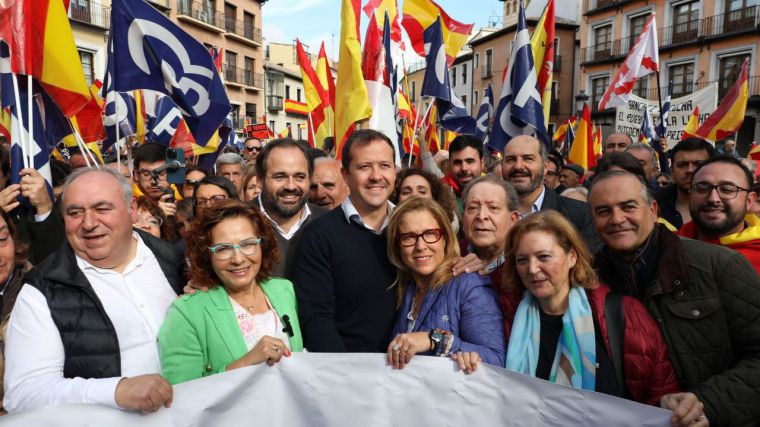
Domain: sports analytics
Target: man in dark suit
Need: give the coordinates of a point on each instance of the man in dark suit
(284, 173)
(524, 163)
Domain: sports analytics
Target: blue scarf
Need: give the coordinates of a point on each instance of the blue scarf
(575, 360)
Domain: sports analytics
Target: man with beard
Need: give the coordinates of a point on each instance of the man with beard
(465, 163)
(705, 299)
(524, 163)
(328, 189)
(284, 173)
(719, 200)
(685, 157)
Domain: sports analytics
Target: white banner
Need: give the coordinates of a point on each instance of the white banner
(630, 116)
(361, 390)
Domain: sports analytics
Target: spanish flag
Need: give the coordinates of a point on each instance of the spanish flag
(5, 122)
(325, 76)
(351, 99)
(420, 14)
(542, 45)
(691, 128)
(379, 8)
(582, 151)
(597, 132)
(431, 130)
(559, 134)
(42, 46)
(729, 115)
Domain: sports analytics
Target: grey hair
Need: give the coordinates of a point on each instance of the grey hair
(580, 190)
(513, 202)
(230, 159)
(646, 192)
(126, 187)
(643, 146)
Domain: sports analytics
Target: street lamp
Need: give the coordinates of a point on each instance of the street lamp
(580, 101)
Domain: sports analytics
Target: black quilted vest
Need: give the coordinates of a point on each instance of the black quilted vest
(89, 339)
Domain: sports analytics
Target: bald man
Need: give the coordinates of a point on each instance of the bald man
(616, 142)
(328, 189)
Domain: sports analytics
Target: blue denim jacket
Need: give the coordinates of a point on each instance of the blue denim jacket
(467, 307)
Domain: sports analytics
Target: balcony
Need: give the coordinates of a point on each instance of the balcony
(200, 14)
(683, 89)
(274, 103)
(90, 13)
(595, 6)
(736, 22)
(253, 80)
(162, 5)
(243, 32)
(486, 73)
(233, 75)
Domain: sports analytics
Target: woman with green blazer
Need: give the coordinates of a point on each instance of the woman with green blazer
(246, 317)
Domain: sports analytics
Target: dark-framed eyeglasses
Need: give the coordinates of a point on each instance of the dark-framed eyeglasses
(225, 251)
(146, 173)
(725, 191)
(253, 149)
(203, 202)
(428, 236)
(192, 183)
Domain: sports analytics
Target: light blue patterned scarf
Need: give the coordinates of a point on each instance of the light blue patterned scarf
(575, 361)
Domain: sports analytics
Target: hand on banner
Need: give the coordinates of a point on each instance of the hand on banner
(404, 346)
(687, 410)
(8, 197)
(468, 361)
(34, 188)
(468, 264)
(146, 393)
(268, 349)
(167, 205)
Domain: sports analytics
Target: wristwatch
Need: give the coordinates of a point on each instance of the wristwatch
(436, 339)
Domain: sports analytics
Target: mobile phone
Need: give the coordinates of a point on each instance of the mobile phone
(175, 162)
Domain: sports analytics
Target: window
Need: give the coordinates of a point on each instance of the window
(230, 13)
(453, 76)
(729, 68)
(477, 60)
(235, 114)
(464, 102)
(250, 65)
(740, 14)
(87, 67)
(80, 10)
(685, 21)
(287, 92)
(290, 129)
(489, 63)
(250, 111)
(598, 86)
(682, 76)
(464, 74)
(230, 71)
(475, 97)
(298, 94)
(602, 41)
(635, 27)
(414, 92)
(249, 22)
(300, 131)
(554, 101)
(641, 88)
(271, 126)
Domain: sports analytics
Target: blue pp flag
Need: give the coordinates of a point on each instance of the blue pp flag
(484, 114)
(124, 105)
(519, 111)
(453, 115)
(436, 81)
(148, 51)
(162, 126)
(662, 126)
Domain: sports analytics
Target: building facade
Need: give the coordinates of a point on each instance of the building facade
(700, 42)
(285, 96)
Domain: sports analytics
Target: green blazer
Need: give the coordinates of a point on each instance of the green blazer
(200, 335)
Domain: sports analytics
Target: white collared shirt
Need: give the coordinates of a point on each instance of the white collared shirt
(536, 207)
(136, 302)
(349, 210)
(305, 212)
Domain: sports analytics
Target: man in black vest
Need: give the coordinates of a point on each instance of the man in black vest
(84, 326)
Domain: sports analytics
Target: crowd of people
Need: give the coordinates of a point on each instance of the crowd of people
(637, 279)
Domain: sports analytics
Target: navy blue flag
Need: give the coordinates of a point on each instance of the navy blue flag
(436, 81)
(226, 135)
(484, 114)
(149, 51)
(6, 80)
(454, 116)
(519, 111)
(163, 125)
(662, 126)
(127, 119)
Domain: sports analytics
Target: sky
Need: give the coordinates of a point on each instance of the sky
(314, 21)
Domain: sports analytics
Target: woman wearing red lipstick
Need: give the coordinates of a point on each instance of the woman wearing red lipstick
(246, 317)
(438, 314)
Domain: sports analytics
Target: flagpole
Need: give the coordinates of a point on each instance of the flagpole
(311, 127)
(416, 131)
(30, 113)
(88, 157)
(21, 133)
(659, 100)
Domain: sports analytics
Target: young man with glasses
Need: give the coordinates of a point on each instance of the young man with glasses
(251, 149)
(719, 199)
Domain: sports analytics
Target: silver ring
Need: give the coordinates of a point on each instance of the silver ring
(396, 347)
(275, 348)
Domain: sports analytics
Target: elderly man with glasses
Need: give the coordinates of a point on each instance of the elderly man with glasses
(720, 199)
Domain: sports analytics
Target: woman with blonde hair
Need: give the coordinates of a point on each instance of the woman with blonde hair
(438, 314)
(569, 329)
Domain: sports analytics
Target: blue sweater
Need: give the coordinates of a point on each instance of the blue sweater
(467, 307)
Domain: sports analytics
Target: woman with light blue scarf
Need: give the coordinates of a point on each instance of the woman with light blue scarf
(561, 330)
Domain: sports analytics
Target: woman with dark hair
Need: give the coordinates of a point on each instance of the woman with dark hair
(211, 190)
(417, 182)
(152, 220)
(438, 314)
(247, 317)
(251, 187)
(193, 176)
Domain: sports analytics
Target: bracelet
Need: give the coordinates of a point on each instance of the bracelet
(441, 349)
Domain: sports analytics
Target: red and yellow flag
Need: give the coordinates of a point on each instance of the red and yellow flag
(379, 8)
(5, 122)
(295, 107)
(729, 115)
(351, 99)
(431, 130)
(597, 132)
(285, 133)
(582, 151)
(691, 128)
(420, 14)
(542, 45)
(325, 76)
(559, 134)
(42, 46)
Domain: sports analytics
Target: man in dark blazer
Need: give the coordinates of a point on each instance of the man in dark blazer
(523, 166)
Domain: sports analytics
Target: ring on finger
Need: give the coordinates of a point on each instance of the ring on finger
(396, 347)
(275, 348)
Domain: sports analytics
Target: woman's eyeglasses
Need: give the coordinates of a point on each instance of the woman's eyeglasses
(224, 251)
(203, 202)
(428, 236)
